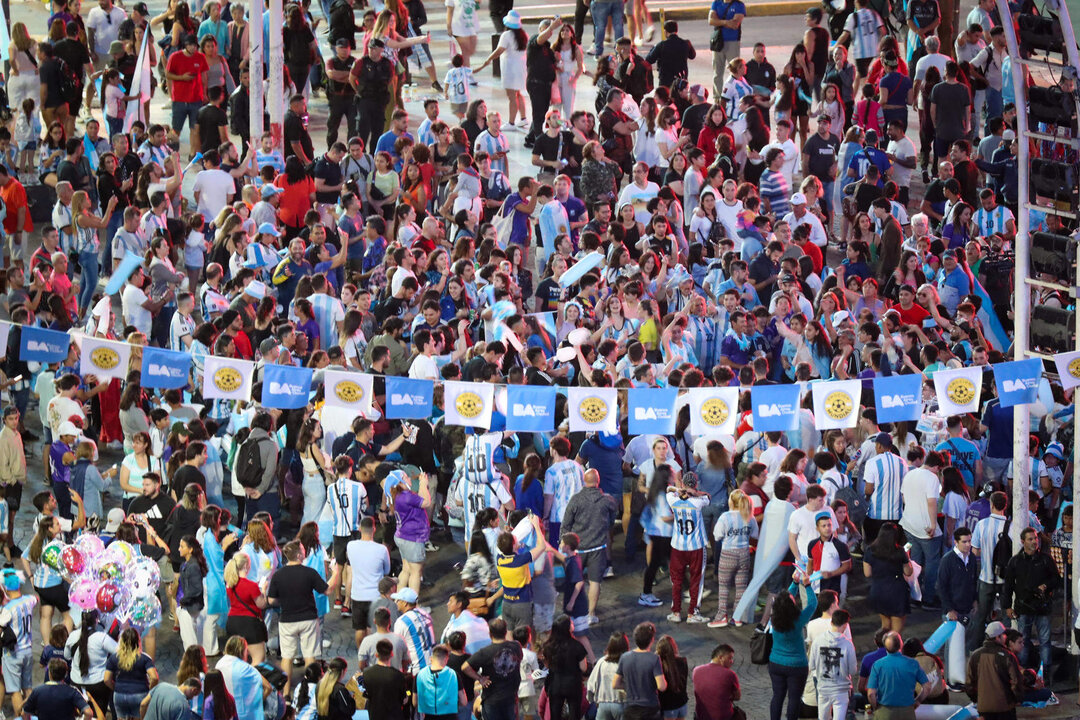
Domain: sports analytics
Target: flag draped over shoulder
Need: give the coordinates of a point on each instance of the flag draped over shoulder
(140, 85)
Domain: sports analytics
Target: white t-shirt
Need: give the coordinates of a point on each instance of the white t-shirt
(918, 486)
(215, 187)
(729, 215)
(114, 102)
(423, 368)
(370, 562)
(926, 62)
(903, 149)
(135, 314)
(803, 524)
(106, 27)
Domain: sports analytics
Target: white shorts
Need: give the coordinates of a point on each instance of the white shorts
(580, 624)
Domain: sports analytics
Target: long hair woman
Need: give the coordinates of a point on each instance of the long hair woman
(85, 226)
(673, 698)
(218, 703)
(23, 81)
(656, 521)
(788, 666)
(413, 529)
(601, 686)
(89, 648)
(566, 659)
(333, 701)
(190, 605)
(131, 674)
(317, 471)
(734, 531)
(887, 565)
(50, 587)
(192, 665)
(246, 605)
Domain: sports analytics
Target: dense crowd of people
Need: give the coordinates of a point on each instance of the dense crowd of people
(768, 227)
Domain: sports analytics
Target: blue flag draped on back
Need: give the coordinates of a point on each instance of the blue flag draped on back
(408, 398)
(898, 398)
(652, 411)
(776, 407)
(43, 346)
(123, 271)
(286, 386)
(166, 369)
(90, 150)
(1018, 381)
(530, 408)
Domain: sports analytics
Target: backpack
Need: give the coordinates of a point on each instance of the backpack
(274, 703)
(1003, 551)
(504, 223)
(856, 504)
(70, 89)
(249, 465)
(8, 638)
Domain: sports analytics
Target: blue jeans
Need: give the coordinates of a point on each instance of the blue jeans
(88, 261)
(116, 220)
(269, 502)
(994, 103)
(499, 711)
(116, 125)
(1040, 626)
(601, 11)
(786, 682)
(928, 554)
(182, 111)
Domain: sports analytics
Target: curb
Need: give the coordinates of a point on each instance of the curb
(763, 9)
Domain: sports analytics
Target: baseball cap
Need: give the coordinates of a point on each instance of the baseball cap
(883, 439)
(699, 91)
(840, 316)
(67, 428)
(268, 191)
(116, 47)
(267, 346)
(787, 278)
(115, 517)
(1008, 135)
(822, 516)
(995, 629)
(949, 254)
(798, 199)
(268, 229)
(342, 42)
(408, 595)
(376, 43)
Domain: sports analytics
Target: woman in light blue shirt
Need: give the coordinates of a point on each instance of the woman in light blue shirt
(733, 531)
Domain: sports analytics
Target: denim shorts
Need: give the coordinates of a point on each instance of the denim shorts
(411, 550)
(127, 704)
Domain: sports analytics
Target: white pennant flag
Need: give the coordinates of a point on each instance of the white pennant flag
(713, 410)
(836, 404)
(5, 330)
(227, 378)
(140, 85)
(958, 390)
(593, 409)
(468, 403)
(349, 390)
(104, 358)
(1068, 367)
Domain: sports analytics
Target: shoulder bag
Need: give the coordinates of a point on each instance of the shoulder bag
(761, 645)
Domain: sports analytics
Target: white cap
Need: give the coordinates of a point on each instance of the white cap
(68, 428)
(798, 199)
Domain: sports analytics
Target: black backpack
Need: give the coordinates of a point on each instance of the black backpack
(249, 465)
(1003, 551)
(8, 638)
(70, 88)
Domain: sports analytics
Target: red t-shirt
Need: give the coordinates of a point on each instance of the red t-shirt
(913, 315)
(14, 197)
(180, 63)
(242, 599)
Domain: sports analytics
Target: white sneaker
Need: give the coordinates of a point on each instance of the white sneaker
(507, 127)
(649, 600)
(720, 621)
(696, 619)
(674, 617)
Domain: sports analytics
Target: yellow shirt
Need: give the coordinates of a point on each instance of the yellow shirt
(649, 334)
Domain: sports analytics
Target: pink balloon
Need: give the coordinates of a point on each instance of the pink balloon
(83, 592)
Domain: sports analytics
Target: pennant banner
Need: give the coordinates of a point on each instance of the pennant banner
(468, 403)
(958, 390)
(41, 345)
(1068, 367)
(140, 85)
(123, 271)
(166, 369)
(1018, 381)
(593, 409)
(408, 398)
(5, 331)
(652, 411)
(227, 378)
(286, 386)
(713, 411)
(775, 407)
(104, 358)
(530, 408)
(836, 404)
(898, 398)
(349, 390)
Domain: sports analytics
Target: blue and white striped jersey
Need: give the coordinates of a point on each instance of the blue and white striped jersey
(886, 471)
(348, 500)
(689, 527)
(18, 614)
(419, 634)
(562, 480)
(328, 313)
(481, 484)
(734, 533)
(993, 221)
(492, 144)
(178, 328)
(984, 538)
(864, 26)
(652, 518)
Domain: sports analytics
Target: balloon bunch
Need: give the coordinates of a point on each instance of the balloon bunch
(116, 581)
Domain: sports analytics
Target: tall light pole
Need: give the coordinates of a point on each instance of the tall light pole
(255, 71)
(275, 100)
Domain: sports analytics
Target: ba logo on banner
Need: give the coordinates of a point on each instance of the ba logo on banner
(1019, 385)
(39, 346)
(164, 371)
(529, 410)
(649, 413)
(775, 410)
(897, 401)
(408, 399)
(280, 388)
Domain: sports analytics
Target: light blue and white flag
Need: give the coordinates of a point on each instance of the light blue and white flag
(898, 398)
(90, 151)
(286, 386)
(1018, 381)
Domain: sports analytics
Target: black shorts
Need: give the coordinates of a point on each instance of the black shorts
(13, 495)
(251, 629)
(341, 557)
(55, 596)
(361, 611)
(862, 66)
(596, 564)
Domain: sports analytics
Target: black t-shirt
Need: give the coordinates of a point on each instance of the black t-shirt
(923, 12)
(548, 148)
(565, 668)
(340, 88)
(50, 75)
(156, 509)
(694, 118)
(952, 100)
(209, 119)
(822, 155)
(295, 131)
(55, 700)
(73, 173)
(539, 62)
(75, 54)
(330, 172)
(294, 587)
(548, 292)
(385, 688)
(500, 663)
(464, 681)
(187, 474)
(297, 47)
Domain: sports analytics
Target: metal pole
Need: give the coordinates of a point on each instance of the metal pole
(275, 99)
(255, 71)
(1022, 293)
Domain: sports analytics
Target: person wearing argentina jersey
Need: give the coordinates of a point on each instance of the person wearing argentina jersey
(562, 481)
(688, 546)
(18, 661)
(984, 539)
(882, 475)
(414, 625)
(993, 219)
(348, 502)
(48, 584)
(481, 484)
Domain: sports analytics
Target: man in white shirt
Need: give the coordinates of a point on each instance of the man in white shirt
(920, 491)
(901, 152)
(102, 27)
(639, 192)
(771, 457)
(799, 215)
(792, 156)
(138, 309)
(214, 188)
(802, 527)
(933, 58)
(61, 216)
(370, 563)
(423, 365)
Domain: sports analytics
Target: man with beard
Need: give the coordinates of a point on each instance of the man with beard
(127, 162)
(289, 271)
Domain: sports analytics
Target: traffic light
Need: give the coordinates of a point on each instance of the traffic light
(1054, 254)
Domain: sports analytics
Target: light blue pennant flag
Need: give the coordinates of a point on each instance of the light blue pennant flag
(530, 408)
(1018, 381)
(286, 386)
(90, 150)
(775, 407)
(652, 411)
(166, 369)
(898, 398)
(408, 398)
(41, 345)
(123, 271)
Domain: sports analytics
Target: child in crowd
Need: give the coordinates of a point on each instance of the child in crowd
(8, 153)
(529, 665)
(195, 247)
(457, 86)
